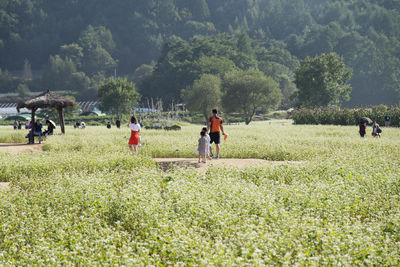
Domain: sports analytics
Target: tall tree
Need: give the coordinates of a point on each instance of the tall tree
(118, 96)
(288, 89)
(248, 91)
(323, 80)
(213, 65)
(61, 74)
(23, 90)
(27, 72)
(204, 95)
(98, 46)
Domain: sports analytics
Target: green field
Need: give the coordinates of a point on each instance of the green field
(86, 201)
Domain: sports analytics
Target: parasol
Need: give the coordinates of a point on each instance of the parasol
(51, 122)
(366, 119)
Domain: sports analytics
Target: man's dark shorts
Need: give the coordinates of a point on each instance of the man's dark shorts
(215, 138)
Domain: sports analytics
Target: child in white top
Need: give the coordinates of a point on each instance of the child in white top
(208, 142)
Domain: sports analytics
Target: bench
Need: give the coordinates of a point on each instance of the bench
(31, 137)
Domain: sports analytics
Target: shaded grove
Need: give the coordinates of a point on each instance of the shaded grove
(75, 45)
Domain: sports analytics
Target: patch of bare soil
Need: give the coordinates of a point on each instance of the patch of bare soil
(167, 163)
(18, 148)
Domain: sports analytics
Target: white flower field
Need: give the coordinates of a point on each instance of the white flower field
(85, 200)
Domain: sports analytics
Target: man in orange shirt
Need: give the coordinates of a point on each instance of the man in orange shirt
(214, 124)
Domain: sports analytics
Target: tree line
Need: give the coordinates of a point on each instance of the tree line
(320, 81)
(77, 44)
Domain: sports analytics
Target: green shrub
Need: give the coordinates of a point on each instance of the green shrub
(173, 128)
(345, 116)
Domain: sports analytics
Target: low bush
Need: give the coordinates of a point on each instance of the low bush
(345, 116)
(173, 128)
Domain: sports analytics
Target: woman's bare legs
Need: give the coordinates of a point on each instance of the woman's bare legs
(134, 149)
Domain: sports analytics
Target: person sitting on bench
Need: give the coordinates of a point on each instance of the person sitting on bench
(36, 131)
(50, 128)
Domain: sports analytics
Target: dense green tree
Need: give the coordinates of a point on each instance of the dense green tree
(142, 72)
(23, 90)
(118, 97)
(98, 46)
(276, 61)
(213, 65)
(288, 90)
(72, 51)
(126, 34)
(8, 83)
(61, 74)
(204, 95)
(323, 80)
(199, 8)
(248, 91)
(93, 37)
(182, 62)
(98, 60)
(82, 66)
(27, 71)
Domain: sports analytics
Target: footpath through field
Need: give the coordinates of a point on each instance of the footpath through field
(18, 148)
(167, 163)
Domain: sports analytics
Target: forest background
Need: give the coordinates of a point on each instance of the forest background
(164, 45)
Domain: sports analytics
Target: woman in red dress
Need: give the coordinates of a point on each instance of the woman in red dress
(134, 140)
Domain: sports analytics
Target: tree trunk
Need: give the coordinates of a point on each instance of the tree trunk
(205, 116)
(249, 118)
(61, 116)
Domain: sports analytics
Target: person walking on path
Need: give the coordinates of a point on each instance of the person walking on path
(387, 121)
(134, 140)
(214, 125)
(118, 122)
(363, 127)
(202, 147)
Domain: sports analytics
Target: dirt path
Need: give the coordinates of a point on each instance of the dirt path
(167, 163)
(18, 148)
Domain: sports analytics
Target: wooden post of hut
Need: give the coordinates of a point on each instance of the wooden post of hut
(61, 117)
(48, 99)
(32, 136)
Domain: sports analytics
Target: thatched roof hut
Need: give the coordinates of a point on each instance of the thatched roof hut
(47, 100)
